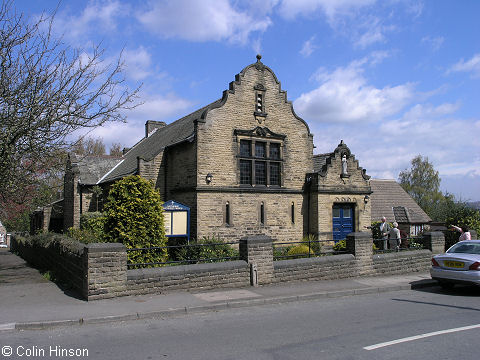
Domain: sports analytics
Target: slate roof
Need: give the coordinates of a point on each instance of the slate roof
(319, 161)
(91, 168)
(390, 200)
(147, 148)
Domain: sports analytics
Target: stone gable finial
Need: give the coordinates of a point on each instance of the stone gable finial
(259, 65)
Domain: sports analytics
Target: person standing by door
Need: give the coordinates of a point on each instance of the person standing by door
(395, 238)
(384, 231)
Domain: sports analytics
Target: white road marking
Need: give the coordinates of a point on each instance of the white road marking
(422, 336)
(9, 326)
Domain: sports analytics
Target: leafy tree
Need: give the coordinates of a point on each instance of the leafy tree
(48, 90)
(134, 216)
(460, 214)
(422, 183)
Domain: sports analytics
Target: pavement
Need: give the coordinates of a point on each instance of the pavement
(29, 301)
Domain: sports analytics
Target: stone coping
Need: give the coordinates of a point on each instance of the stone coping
(105, 247)
(403, 253)
(313, 261)
(136, 274)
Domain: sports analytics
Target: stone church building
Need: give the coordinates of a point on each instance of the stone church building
(243, 164)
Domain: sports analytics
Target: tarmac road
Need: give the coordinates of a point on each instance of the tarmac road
(412, 323)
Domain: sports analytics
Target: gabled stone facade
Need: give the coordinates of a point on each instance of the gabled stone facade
(338, 184)
(244, 165)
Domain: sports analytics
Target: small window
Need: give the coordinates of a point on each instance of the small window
(292, 211)
(227, 213)
(260, 149)
(262, 213)
(245, 148)
(259, 107)
(346, 212)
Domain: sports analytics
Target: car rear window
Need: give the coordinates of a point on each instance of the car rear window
(465, 248)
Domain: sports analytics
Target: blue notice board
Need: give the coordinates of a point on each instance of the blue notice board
(176, 218)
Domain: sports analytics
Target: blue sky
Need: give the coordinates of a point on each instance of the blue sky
(392, 78)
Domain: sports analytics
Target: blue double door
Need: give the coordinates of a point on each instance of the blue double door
(342, 219)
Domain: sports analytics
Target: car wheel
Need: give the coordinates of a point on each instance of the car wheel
(446, 285)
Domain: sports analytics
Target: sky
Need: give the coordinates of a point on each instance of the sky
(393, 79)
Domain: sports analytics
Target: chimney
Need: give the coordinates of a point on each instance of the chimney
(152, 125)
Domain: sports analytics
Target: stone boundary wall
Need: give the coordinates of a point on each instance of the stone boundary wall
(402, 262)
(229, 274)
(315, 268)
(99, 271)
(64, 259)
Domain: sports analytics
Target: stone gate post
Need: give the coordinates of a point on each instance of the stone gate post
(360, 244)
(434, 241)
(105, 270)
(258, 252)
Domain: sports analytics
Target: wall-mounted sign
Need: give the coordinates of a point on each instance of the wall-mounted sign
(176, 219)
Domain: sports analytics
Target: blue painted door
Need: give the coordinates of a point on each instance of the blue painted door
(342, 219)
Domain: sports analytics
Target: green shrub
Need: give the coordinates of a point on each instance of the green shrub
(92, 228)
(300, 250)
(214, 249)
(84, 236)
(134, 216)
(92, 221)
(315, 245)
(340, 246)
(280, 251)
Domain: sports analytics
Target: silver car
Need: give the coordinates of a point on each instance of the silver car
(459, 265)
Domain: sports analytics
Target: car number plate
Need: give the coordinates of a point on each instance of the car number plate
(454, 264)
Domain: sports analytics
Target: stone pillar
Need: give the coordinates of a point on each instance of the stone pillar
(105, 270)
(360, 244)
(473, 234)
(258, 250)
(434, 241)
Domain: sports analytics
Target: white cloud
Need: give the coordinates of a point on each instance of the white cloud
(97, 15)
(290, 9)
(377, 57)
(159, 107)
(308, 47)
(471, 66)
(434, 42)
(155, 107)
(138, 63)
(208, 20)
(344, 95)
(428, 111)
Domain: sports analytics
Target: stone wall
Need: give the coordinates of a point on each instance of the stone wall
(316, 268)
(402, 262)
(231, 274)
(245, 219)
(99, 271)
(65, 259)
(104, 271)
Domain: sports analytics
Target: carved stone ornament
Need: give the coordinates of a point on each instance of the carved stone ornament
(259, 132)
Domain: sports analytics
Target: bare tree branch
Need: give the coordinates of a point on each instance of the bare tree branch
(47, 91)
